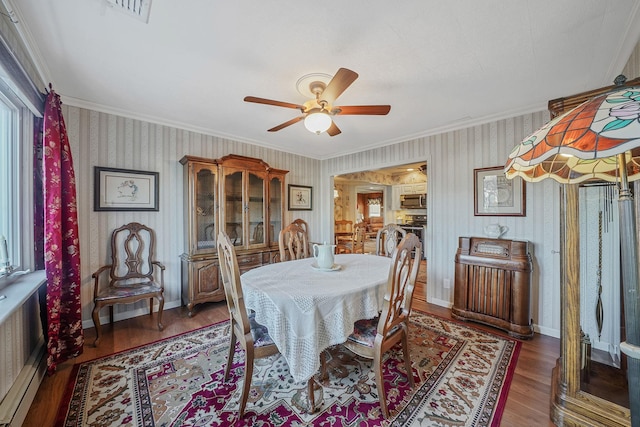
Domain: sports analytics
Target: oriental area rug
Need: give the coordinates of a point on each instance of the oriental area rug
(462, 378)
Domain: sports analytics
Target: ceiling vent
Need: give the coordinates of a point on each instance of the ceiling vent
(139, 9)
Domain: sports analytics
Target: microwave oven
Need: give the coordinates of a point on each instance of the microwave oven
(413, 201)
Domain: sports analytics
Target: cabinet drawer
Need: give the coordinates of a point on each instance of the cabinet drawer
(247, 262)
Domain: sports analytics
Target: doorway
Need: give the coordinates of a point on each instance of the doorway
(373, 197)
(375, 194)
(353, 192)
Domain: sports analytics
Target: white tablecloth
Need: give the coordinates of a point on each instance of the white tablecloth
(307, 310)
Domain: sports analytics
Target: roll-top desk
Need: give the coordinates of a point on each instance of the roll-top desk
(493, 284)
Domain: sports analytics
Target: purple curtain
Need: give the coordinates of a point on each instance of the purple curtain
(64, 333)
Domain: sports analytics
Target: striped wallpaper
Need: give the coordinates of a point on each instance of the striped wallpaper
(102, 139)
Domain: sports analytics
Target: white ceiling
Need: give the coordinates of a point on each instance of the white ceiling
(441, 65)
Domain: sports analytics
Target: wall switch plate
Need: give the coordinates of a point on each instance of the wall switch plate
(447, 283)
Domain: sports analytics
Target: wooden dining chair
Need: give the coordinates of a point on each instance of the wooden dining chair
(303, 224)
(131, 273)
(258, 233)
(253, 337)
(293, 243)
(387, 239)
(344, 225)
(356, 244)
(374, 337)
(343, 230)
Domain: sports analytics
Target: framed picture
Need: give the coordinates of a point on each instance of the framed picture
(495, 195)
(124, 190)
(299, 198)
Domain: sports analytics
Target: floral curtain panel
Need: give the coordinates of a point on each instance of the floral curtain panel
(64, 334)
(38, 194)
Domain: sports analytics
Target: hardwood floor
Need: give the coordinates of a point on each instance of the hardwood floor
(527, 405)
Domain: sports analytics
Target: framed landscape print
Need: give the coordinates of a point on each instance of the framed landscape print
(125, 190)
(299, 198)
(495, 195)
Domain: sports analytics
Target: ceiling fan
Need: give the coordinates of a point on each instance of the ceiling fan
(317, 112)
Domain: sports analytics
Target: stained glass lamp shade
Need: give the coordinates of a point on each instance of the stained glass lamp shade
(597, 140)
(583, 143)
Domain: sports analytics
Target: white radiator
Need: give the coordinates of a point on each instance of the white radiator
(21, 348)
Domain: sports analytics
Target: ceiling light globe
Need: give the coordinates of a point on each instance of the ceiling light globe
(317, 122)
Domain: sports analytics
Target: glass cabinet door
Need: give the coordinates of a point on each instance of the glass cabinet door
(275, 208)
(205, 209)
(234, 208)
(252, 194)
(256, 209)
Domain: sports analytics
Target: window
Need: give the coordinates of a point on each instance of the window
(374, 210)
(375, 206)
(16, 166)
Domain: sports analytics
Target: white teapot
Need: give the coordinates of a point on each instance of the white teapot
(495, 231)
(324, 255)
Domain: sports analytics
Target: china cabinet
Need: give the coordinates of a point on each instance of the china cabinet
(244, 196)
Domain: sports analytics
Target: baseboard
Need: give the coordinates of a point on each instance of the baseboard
(542, 330)
(104, 320)
(536, 328)
(16, 404)
(441, 303)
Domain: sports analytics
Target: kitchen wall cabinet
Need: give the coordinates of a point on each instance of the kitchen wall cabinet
(414, 188)
(400, 189)
(244, 196)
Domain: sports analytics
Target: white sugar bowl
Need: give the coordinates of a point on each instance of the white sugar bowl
(495, 231)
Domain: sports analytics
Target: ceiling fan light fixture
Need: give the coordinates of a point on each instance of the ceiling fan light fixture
(317, 122)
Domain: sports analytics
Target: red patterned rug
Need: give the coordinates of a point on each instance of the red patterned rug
(462, 375)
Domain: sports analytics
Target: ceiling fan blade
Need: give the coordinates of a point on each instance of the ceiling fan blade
(333, 129)
(285, 124)
(374, 110)
(272, 102)
(338, 84)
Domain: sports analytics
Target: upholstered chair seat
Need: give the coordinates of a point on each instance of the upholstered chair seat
(260, 333)
(364, 334)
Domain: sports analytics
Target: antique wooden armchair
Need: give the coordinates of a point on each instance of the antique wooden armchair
(131, 273)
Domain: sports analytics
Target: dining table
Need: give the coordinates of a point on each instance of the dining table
(308, 309)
